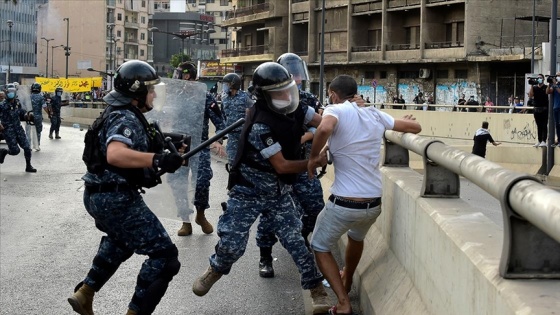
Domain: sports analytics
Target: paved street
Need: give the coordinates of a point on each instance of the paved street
(48, 242)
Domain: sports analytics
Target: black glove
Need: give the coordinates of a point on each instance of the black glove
(167, 162)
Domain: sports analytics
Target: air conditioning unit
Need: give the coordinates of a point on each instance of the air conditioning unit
(424, 73)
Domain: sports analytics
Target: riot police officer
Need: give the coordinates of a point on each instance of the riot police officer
(131, 152)
(235, 103)
(267, 161)
(38, 104)
(212, 112)
(11, 115)
(54, 113)
(307, 193)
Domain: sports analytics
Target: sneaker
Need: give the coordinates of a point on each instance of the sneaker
(205, 282)
(185, 230)
(37, 149)
(554, 145)
(542, 144)
(320, 300)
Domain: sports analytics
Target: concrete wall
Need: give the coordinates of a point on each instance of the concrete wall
(438, 256)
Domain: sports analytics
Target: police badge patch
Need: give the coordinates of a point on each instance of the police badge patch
(127, 132)
(268, 139)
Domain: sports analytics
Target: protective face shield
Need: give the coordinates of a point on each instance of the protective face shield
(295, 66)
(225, 88)
(159, 97)
(283, 99)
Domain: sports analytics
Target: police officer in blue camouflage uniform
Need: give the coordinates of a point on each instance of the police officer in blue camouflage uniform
(212, 112)
(307, 193)
(38, 104)
(112, 193)
(266, 163)
(54, 113)
(235, 103)
(11, 115)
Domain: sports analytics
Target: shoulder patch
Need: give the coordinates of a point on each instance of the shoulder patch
(268, 139)
(125, 131)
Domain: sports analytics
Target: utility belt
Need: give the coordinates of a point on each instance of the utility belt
(105, 188)
(353, 204)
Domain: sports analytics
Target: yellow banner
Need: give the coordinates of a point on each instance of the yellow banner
(70, 85)
(215, 68)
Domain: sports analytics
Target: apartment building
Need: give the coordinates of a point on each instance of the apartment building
(443, 48)
(18, 40)
(99, 34)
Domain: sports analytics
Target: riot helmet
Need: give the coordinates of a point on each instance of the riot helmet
(11, 92)
(134, 79)
(231, 81)
(58, 91)
(184, 68)
(275, 85)
(295, 66)
(35, 88)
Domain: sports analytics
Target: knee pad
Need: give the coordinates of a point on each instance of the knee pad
(172, 264)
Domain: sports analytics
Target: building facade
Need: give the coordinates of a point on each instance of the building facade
(443, 48)
(18, 43)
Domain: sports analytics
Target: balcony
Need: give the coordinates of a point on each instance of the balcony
(254, 9)
(403, 46)
(366, 48)
(131, 40)
(367, 7)
(111, 3)
(428, 2)
(393, 4)
(245, 51)
(437, 45)
(130, 56)
(131, 25)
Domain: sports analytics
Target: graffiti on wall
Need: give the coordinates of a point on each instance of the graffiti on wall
(525, 133)
(450, 93)
(377, 96)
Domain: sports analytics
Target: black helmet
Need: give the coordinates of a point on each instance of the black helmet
(185, 67)
(233, 81)
(295, 66)
(133, 77)
(36, 88)
(275, 85)
(58, 91)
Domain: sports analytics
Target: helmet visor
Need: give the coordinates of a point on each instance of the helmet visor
(282, 99)
(159, 97)
(297, 68)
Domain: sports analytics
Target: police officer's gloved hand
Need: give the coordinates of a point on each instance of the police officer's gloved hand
(167, 162)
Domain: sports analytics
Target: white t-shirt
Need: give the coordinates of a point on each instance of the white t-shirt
(355, 147)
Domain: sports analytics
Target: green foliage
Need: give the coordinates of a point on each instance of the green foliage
(176, 59)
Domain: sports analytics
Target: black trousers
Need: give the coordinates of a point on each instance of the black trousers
(541, 119)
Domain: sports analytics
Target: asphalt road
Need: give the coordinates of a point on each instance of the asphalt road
(47, 243)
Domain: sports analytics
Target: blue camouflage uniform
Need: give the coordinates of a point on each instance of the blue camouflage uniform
(234, 108)
(14, 134)
(307, 193)
(269, 198)
(131, 227)
(202, 192)
(37, 105)
(56, 104)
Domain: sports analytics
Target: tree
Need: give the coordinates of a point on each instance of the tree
(176, 60)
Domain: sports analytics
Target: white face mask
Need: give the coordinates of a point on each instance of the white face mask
(281, 104)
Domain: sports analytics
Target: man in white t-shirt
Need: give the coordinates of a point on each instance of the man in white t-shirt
(355, 135)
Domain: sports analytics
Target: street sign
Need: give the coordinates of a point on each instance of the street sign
(374, 83)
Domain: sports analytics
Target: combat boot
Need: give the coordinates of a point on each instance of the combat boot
(200, 219)
(205, 282)
(320, 300)
(50, 135)
(131, 312)
(185, 230)
(82, 300)
(265, 263)
(57, 136)
(28, 167)
(3, 153)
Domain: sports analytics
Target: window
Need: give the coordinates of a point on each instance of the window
(142, 36)
(119, 34)
(369, 74)
(223, 29)
(224, 3)
(210, 1)
(374, 38)
(142, 52)
(119, 16)
(413, 37)
(143, 4)
(223, 41)
(461, 74)
(442, 74)
(407, 74)
(383, 74)
(191, 1)
(143, 19)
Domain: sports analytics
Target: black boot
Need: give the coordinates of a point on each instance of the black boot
(29, 168)
(57, 136)
(265, 263)
(3, 153)
(224, 206)
(50, 135)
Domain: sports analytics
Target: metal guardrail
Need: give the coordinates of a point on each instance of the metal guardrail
(449, 107)
(531, 211)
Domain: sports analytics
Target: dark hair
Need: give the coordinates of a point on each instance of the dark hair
(485, 124)
(344, 86)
